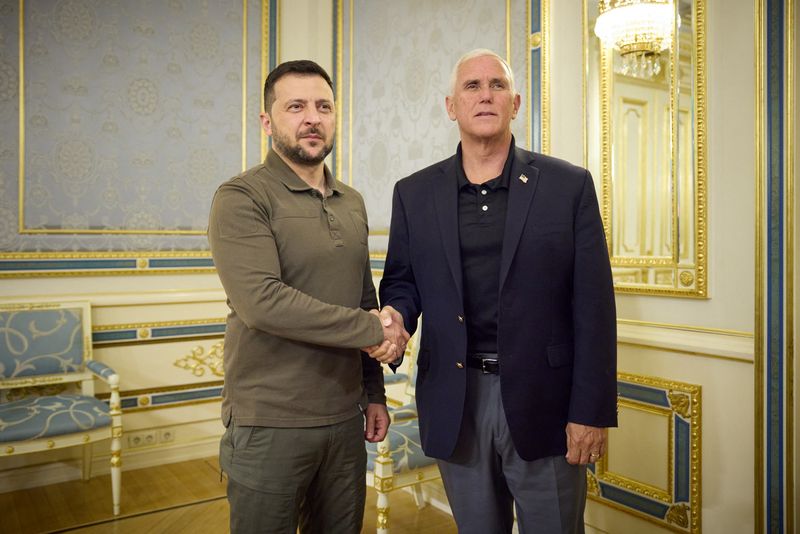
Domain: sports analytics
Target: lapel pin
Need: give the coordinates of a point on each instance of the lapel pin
(523, 178)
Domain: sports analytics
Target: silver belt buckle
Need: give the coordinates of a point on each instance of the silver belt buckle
(484, 369)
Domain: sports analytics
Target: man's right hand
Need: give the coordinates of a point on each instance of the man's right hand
(395, 336)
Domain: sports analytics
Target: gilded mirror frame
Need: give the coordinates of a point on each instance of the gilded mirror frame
(686, 276)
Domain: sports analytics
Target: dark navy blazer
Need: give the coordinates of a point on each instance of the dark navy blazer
(556, 313)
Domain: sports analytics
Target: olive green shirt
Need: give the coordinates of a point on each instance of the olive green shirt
(295, 267)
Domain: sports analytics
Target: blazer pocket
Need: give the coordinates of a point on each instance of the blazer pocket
(560, 355)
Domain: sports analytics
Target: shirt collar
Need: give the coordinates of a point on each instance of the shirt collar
(499, 182)
(293, 182)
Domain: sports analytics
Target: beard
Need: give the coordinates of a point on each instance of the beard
(296, 153)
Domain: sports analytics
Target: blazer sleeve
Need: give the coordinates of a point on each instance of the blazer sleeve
(593, 400)
(398, 287)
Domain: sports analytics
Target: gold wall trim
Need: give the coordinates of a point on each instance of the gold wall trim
(22, 230)
(265, 51)
(244, 84)
(690, 411)
(339, 90)
(166, 389)
(144, 401)
(172, 405)
(350, 101)
(156, 324)
(198, 361)
(690, 280)
(701, 161)
(61, 231)
(687, 328)
(21, 88)
(545, 89)
(508, 33)
(528, 46)
(758, 354)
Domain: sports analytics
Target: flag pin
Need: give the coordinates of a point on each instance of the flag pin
(523, 178)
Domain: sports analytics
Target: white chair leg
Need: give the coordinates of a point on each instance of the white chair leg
(419, 497)
(116, 472)
(383, 513)
(86, 468)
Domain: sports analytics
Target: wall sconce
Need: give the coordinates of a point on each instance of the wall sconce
(640, 30)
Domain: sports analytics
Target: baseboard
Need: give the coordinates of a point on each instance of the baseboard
(66, 470)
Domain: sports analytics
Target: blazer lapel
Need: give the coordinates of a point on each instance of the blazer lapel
(445, 194)
(521, 188)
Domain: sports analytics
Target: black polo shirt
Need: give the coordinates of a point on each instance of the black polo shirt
(481, 224)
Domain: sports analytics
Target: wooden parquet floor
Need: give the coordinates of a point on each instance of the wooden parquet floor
(185, 497)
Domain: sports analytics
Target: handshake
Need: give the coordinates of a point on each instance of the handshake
(395, 336)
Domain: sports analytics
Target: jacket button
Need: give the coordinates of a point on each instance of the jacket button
(461, 319)
(459, 365)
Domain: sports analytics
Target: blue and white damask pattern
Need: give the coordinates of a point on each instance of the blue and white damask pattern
(40, 342)
(121, 118)
(393, 73)
(41, 417)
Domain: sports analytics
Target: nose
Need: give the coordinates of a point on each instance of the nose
(312, 115)
(485, 94)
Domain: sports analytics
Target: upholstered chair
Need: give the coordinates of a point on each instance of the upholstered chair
(47, 377)
(398, 461)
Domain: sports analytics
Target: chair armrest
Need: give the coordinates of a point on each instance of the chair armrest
(104, 372)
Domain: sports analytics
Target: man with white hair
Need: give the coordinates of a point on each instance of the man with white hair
(502, 253)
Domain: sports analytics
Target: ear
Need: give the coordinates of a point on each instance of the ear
(449, 103)
(266, 123)
(517, 103)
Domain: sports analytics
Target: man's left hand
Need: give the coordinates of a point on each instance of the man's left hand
(377, 422)
(585, 444)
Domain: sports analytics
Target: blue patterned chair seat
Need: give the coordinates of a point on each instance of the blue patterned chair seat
(406, 450)
(47, 386)
(40, 417)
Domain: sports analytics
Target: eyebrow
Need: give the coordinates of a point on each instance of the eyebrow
(491, 80)
(303, 101)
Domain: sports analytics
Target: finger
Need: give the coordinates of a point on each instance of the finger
(386, 318)
(573, 458)
(390, 355)
(380, 434)
(381, 351)
(369, 432)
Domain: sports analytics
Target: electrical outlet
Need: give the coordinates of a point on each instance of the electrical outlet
(142, 439)
(166, 435)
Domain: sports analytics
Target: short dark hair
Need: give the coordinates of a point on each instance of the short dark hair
(302, 67)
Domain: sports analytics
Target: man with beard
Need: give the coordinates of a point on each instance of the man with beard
(290, 245)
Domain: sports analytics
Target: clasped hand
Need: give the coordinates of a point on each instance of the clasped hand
(395, 336)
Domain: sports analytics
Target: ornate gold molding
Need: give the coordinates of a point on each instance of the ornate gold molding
(689, 276)
(198, 361)
(680, 502)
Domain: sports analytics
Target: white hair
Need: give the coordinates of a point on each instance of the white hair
(479, 52)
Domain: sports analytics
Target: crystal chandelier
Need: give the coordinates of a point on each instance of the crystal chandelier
(639, 29)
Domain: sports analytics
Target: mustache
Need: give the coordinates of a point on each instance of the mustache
(311, 131)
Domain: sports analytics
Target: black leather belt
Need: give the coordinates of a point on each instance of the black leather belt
(485, 361)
